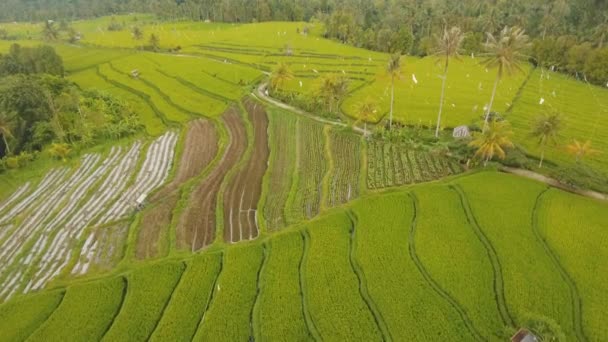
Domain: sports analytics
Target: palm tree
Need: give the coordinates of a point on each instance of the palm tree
(492, 141)
(366, 111)
(394, 70)
(137, 33)
(581, 150)
(154, 42)
(546, 130)
(332, 88)
(448, 45)
(49, 31)
(280, 75)
(506, 54)
(6, 125)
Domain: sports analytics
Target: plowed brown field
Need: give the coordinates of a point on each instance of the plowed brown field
(244, 191)
(196, 227)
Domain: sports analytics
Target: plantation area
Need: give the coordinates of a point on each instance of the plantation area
(179, 180)
(446, 261)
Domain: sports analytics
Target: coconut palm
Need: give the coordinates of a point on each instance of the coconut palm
(505, 53)
(50, 32)
(332, 88)
(581, 150)
(448, 46)
(6, 124)
(394, 70)
(492, 141)
(280, 75)
(546, 130)
(366, 111)
(60, 151)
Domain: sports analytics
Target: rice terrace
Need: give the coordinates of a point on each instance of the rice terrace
(281, 170)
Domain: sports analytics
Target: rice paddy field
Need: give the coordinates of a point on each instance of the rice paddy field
(258, 223)
(449, 268)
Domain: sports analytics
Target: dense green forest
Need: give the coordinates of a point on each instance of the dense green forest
(39, 107)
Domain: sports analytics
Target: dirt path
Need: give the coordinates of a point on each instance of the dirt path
(197, 224)
(554, 183)
(242, 195)
(260, 93)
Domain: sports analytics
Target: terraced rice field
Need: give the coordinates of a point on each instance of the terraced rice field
(442, 262)
(394, 164)
(197, 224)
(46, 224)
(243, 193)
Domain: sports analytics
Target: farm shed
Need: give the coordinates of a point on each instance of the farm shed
(461, 132)
(524, 335)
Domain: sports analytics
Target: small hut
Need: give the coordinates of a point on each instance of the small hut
(524, 335)
(461, 132)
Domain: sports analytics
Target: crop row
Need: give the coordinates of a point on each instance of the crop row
(310, 168)
(346, 158)
(282, 140)
(391, 164)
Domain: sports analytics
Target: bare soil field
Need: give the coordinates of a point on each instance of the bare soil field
(244, 191)
(196, 227)
(153, 224)
(200, 147)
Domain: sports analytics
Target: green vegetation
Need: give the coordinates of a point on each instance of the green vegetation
(95, 304)
(336, 306)
(573, 231)
(22, 316)
(189, 300)
(228, 317)
(415, 301)
(279, 310)
(148, 293)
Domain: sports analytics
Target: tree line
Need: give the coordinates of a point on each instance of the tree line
(39, 108)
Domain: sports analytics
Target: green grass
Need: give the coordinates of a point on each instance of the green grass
(337, 308)
(148, 292)
(279, 311)
(574, 228)
(20, 317)
(229, 315)
(183, 313)
(136, 86)
(419, 103)
(455, 258)
(584, 112)
(532, 284)
(95, 304)
(393, 280)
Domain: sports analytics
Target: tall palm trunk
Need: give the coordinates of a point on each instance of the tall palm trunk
(390, 118)
(498, 75)
(445, 77)
(542, 158)
(8, 149)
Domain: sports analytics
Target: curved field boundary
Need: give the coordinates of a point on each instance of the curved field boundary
(13, 332)
(577, 304)
(197, 225)
(162, 94)
(143, 96)
(196, 88)
(310, 323)
(162, 312)
(252, 335)
(211, 295)
(499, 286)
(122, 303)
(371, 305)
(430, 281)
